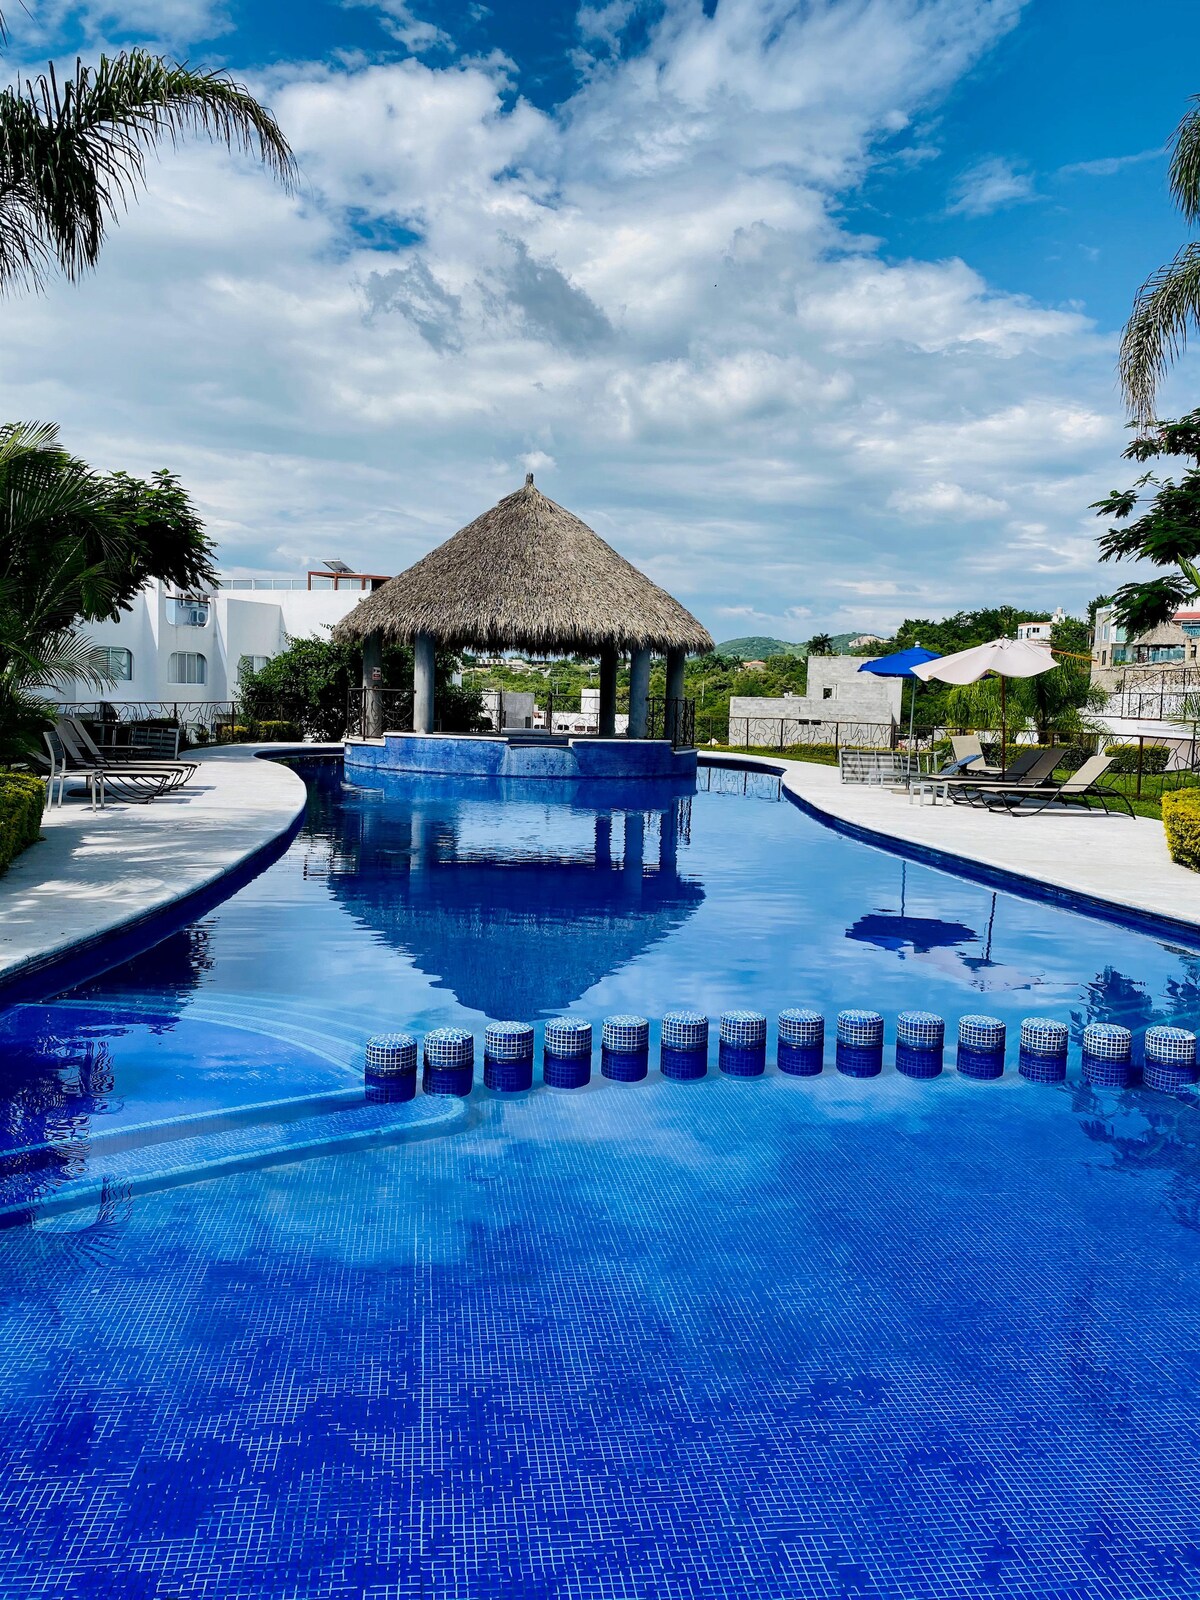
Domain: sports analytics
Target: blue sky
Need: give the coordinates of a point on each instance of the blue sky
(811, 309)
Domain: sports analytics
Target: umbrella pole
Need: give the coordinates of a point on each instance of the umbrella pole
(1003, 724)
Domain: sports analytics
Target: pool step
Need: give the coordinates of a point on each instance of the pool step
(192, 1150)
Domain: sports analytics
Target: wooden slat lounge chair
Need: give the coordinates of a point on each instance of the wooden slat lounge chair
(1081, 788)
(76, 736)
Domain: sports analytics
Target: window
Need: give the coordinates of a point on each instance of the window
(186, 612)
(187, 666)
(115, 662)
(826, 694)
(252, 663)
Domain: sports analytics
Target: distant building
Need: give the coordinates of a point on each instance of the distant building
(842, 704)
(1115, 657)
(174, 648)
(1040, 632)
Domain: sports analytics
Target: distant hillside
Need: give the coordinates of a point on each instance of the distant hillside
(759, 647)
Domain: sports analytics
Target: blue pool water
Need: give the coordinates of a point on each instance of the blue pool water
(772, 1338)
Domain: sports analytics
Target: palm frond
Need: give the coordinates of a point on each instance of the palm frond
(72, 155)
(1185, 162)
(58, 661)
(1167, 307)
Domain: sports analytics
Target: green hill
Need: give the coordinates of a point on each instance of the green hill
(758, 647)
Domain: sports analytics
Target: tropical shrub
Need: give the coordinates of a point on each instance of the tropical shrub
(1154, 757)
(1181, 820)
(309, 684)
(22, 798)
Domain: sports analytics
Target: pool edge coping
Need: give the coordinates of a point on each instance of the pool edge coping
(278, 828)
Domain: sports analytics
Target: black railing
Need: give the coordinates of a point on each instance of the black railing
(1150, 695)
(394, 714)
(673, 719)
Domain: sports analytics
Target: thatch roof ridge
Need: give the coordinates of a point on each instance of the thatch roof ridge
(527, 574)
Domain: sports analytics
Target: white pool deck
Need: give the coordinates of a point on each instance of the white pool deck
(94, 874)
(1115, 861)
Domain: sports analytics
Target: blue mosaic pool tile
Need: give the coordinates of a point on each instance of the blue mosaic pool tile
(1108, 1055)
(685, 1030)
(1170, 1059)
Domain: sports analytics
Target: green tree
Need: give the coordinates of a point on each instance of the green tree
(1167, 306)
(309, 683)
(76, 546)
(1166, 534)
(820, 645)
(73, 153)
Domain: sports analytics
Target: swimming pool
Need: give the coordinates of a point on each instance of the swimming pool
(770, 1337)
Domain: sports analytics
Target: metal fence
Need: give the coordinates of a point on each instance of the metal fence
(395, 709)
(1155, 696)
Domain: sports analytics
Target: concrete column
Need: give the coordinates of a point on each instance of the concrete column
(639, 688)
(607, 721)
(372, 682)
(423, 654)
(674, 690)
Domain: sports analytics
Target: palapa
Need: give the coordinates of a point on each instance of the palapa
(527, 575)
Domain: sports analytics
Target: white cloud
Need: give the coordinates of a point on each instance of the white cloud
(648, 294)
(942, 499)
(1108, 166)
(414, 33)
(170, 23)
(989, 185)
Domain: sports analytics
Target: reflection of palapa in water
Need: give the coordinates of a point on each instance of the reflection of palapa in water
(516, 935)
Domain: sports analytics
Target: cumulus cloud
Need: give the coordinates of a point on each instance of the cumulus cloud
(990, 185)
(647, 292)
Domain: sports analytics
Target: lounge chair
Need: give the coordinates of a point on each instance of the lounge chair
(136, 784)
(969, 752)
(80, 742)
(62, 768)
(1032, 769)
(1079, 789)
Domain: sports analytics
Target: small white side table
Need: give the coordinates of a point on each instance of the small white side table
(937, 789)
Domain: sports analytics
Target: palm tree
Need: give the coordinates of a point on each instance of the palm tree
(1168, 303)
(72, 155)
(75, 546)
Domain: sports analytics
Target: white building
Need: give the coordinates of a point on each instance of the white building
(1039, 632)
(173, 648)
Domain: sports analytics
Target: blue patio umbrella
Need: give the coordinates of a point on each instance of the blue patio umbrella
(901, 665)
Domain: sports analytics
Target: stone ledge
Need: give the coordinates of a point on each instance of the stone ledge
(96, 874)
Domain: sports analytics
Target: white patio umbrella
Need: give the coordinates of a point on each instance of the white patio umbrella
(1007, 658)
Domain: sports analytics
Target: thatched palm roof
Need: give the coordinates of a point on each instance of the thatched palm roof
(526, 575)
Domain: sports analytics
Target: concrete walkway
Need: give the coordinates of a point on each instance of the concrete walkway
(1110, 863)
(95, 873)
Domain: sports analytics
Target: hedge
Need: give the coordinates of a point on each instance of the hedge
(22, 798)
(273, 732)
(1181, 819)
(1154, 757)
